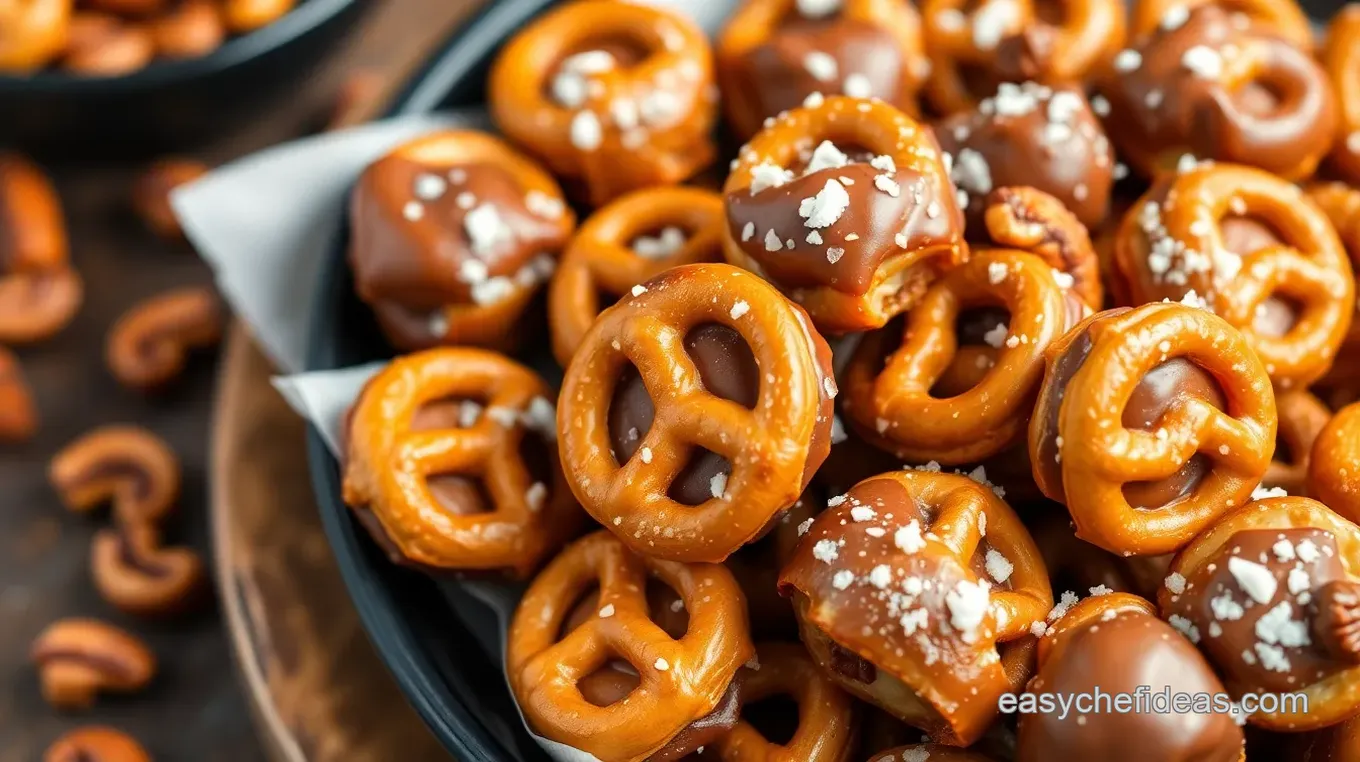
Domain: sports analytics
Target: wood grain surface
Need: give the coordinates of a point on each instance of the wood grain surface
(316, 685)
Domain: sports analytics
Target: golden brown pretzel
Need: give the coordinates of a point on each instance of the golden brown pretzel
(1302, 417)
(244, 16)
(1114, 644)
(892, 385)
(824, 729)
(1284, 18)
(452, 234)
(39, 292)
(32, 32)
(94, 743)
(681, 679)
(1340, 57)
(773, 54)
(1256, 250)
(917, 592)
(728, 393)
(1221, 87)
(430, 427)
(1334, 466)
(633, 239)
(973, 48)
(617, 95)
(1150, 424)
(854, 254)
(1271, 594)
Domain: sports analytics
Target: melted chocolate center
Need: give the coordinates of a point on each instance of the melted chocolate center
(727, 369)
(456, 493)
(805, 56)
(1164, 387)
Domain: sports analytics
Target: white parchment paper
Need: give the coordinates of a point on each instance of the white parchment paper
(267, 223)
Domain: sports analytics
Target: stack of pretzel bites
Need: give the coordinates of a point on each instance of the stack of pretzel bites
(1011, 358)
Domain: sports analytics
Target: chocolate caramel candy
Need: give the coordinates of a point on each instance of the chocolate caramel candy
(899, 588)
(1219, 86)
(845, 205)
(450, 237)
(1270, 595)
(1033, 135)
(1115, 643)
(773, 54)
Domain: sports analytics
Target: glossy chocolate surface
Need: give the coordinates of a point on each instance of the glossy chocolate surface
(1119, 654)
(1254, 606)
(1167, 99)
(807, 55)
(1046, 138)
(771, 225)
(425, 236)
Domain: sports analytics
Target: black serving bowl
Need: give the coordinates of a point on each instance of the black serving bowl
(172, 104)
(440, 642)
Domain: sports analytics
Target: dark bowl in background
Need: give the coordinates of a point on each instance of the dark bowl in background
(172, 104)
(441, 644)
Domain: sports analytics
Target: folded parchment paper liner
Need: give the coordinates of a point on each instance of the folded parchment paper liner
(267, 224)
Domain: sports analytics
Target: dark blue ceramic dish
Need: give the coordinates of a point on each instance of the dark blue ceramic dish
(172, 105)
(440, 643)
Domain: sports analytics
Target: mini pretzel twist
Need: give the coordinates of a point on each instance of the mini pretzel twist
(1334, 465)
(762, 56)
(825, 729)
(1077, 428)
(892, 402)
(1173, 242)
(886, 262)
(32, 33)
(680, 680)
(1284, 18)
(773, 448)
(618, 125)
(1302, 417)
(893, 578)
(1008, 41)
(1030, 220)
(632, 240)
(388, 464)
(39, 292)
(1215, 88)
(18, 413)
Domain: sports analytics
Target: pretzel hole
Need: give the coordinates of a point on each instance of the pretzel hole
(448, 413)
(775, 718)
(980, 332)
(1261, 96)
(630, 415)
(1164, 388)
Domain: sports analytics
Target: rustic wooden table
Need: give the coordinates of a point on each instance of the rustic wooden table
(196, 709)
